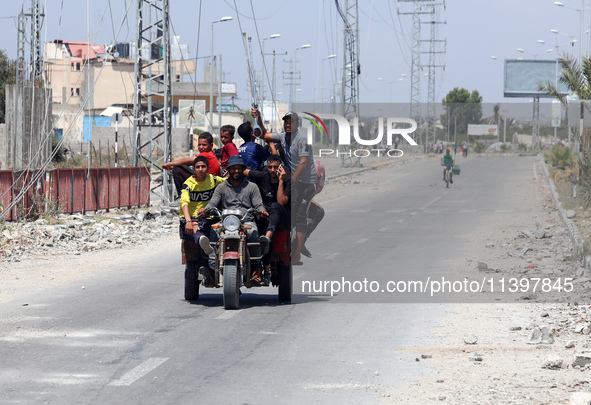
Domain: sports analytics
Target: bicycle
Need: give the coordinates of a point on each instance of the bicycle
(448, 180)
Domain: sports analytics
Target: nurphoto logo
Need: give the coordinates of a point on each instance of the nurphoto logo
(395, 127)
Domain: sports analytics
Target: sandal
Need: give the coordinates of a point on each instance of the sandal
(255, 280)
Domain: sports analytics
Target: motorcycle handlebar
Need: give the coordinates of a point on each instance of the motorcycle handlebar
(249, 212)
(216, 211)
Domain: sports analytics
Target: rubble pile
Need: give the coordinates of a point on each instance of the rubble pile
(74, 234)
(543, 253)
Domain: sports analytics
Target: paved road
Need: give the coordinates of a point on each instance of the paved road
(128, 337)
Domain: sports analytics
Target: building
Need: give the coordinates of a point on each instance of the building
(88, 79)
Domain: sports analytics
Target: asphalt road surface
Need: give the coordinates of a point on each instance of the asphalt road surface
(129, 337)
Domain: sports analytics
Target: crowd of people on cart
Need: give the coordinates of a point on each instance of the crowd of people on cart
(277, 179)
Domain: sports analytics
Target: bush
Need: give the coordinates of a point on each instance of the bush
(505, 147)
(560, 157)
(479, 147)
(522, 146)
(41, 207)
(59, 152)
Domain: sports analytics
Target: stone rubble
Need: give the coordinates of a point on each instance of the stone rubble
(541, 345)
(74, 234)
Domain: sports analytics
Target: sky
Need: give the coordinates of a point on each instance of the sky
(473, 31)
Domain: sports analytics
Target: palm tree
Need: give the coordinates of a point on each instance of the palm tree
(577, 77)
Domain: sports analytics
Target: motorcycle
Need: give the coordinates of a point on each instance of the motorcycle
(233, 262)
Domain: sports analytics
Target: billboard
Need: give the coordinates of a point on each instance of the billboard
(479, 130)
(524, 77)
(191, 113)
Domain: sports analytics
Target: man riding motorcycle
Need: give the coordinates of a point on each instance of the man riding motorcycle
(238, 193)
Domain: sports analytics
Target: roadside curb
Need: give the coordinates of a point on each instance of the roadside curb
(368, 168)
(365, 169)
(574, 234)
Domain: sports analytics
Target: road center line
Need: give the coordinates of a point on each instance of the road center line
(362, 240)
(431, 202)
(138, 372)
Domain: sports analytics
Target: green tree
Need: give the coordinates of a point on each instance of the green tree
(7, 76)
(462, 108)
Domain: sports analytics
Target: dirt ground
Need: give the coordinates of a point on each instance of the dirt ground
(505, 365)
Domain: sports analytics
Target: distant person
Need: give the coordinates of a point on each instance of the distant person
(465, 146)
(448, 161)
(455, 148)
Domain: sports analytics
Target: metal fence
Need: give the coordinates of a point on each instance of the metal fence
(73, 190)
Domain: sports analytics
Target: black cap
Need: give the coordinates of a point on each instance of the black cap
(291, 115)
(235, 160)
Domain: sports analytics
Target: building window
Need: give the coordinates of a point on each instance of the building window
(75, 92)
(75, 66)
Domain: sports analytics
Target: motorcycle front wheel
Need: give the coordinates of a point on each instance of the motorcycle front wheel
(231, 284)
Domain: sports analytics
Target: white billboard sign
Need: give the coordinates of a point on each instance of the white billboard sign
(480, 130)
(191, 113)
(228, 89)
(523, 78)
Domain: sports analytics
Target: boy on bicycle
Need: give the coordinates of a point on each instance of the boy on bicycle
(448, 161)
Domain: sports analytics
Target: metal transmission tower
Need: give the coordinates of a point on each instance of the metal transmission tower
(423, 7)
(351, 65)
(415, 68)
(29, 119)
(291, 78)
(19, 99)
(351, 71)
(36, 60)
(431, 111)
(152, 110)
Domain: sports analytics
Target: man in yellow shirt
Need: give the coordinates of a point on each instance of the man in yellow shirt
(195, 194)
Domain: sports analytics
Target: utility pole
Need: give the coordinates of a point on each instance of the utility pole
(415, 67)
(19, 97)
(274, 115)
(36, 60)
(422, 7)
(30, 123)
(292, 77)
(351, 65)
(152, 121)
(431, 111)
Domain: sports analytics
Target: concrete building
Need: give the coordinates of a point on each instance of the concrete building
(88, 79)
